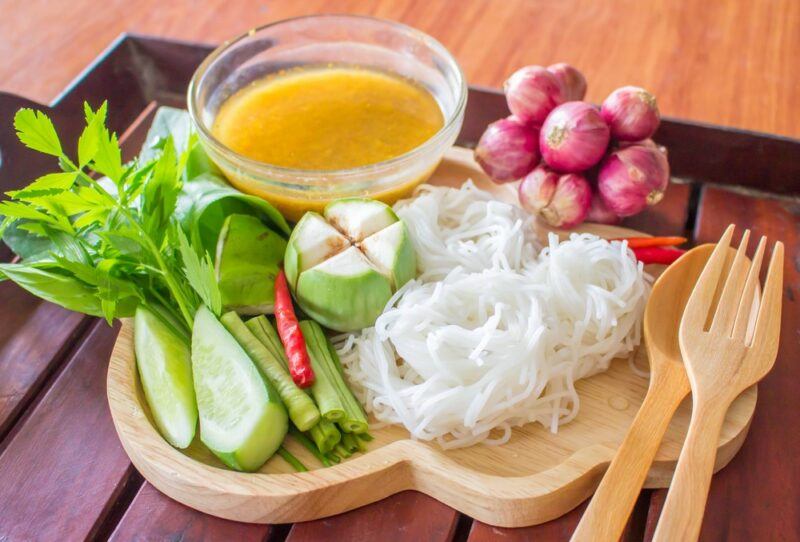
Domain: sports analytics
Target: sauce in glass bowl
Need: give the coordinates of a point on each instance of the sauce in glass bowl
(308, 110)
(327, 118)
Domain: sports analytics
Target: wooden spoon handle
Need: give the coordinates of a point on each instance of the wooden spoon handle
(683, 511)
(608, 512)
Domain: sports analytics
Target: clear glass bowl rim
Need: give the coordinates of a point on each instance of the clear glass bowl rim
(266, 169)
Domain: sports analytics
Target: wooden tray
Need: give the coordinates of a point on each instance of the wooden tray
(535, 477)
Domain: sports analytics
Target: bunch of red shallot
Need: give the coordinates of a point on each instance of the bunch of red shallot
(577, 162)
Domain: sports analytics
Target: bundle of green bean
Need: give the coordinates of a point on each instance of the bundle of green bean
(332, 426)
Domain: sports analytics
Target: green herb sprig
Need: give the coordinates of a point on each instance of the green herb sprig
(113, 242)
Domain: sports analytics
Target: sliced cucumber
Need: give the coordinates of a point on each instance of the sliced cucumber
(164, 363)
(242, 419)
(247, 261)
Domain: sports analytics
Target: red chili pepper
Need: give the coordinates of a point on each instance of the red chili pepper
(291, 336)
(661, 255)
(642, 242)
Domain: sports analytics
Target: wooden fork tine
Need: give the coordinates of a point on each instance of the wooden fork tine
(768, 325)
(725, 314)
(699, 303)
(745, 310)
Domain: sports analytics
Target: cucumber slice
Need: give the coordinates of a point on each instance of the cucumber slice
(248, 256)
(164, 363)
(358, 218)
(242, 419)
(344, 293)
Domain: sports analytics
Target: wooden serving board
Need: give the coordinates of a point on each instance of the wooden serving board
(535, 477)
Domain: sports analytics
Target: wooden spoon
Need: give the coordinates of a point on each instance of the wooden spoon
(725, 352)
(608, 512)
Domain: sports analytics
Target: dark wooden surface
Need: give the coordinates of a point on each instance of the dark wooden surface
(63, 474)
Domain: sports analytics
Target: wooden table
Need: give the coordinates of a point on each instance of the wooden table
(63, 473)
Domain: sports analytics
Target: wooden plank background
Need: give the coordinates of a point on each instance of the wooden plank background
(731, 63)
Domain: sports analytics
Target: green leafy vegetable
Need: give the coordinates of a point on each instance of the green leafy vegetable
(69, 292)
(105, 246)
(143, 234)
(200, 274)
(36, 131)
(207, 201)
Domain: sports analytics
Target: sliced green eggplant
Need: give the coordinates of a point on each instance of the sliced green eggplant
(343, 266)
(312, 242)
(248, 258)
(391, 251)
(165, 370)
(242, 419)
(358, 218)
(345, 292)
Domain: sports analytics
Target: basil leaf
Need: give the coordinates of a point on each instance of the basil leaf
(206, 202)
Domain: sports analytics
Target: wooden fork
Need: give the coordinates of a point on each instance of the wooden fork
(721, 361)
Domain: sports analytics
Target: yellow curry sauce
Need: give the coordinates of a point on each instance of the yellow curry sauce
(325, 119)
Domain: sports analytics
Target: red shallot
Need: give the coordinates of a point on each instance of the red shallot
(632, 178)
(532, 92)
(574, 137)
(599, 213)
(631, 113)
(508, 149)
(560, 200)
(573, 83)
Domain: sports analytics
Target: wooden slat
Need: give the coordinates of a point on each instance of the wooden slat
(558, 529)
(34, 337)
(62, 471)
(755, 496)
(408, 516)
(153, 516)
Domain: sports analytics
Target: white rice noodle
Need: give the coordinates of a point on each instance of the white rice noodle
(467, 228)
(468, 351)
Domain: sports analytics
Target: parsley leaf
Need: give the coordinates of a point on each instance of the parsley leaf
(200, 274)
(36, 131)
(52, 183)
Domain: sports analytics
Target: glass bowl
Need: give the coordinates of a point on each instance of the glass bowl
(319, 40)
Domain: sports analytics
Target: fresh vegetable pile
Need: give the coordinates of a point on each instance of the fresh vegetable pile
(166, 240)
(576, 162)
